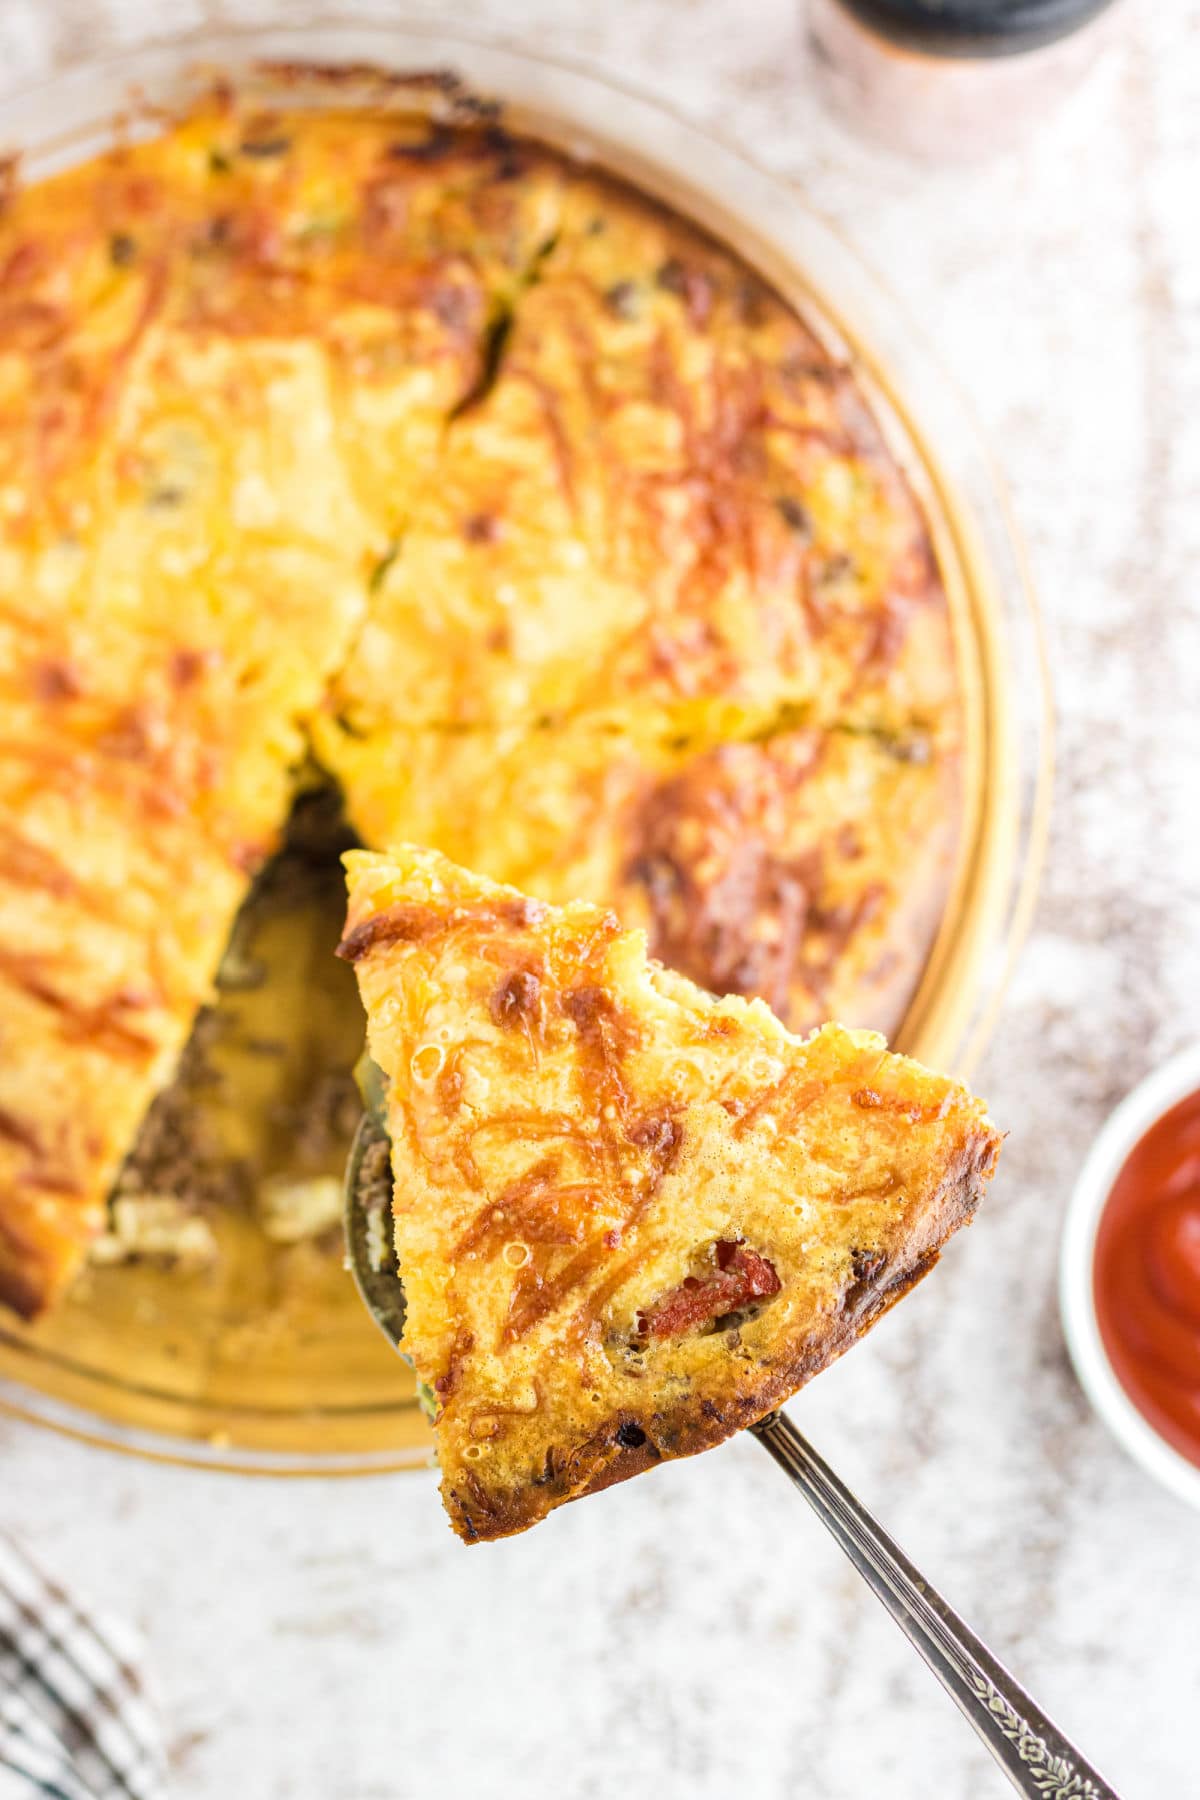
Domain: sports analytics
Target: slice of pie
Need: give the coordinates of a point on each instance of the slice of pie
(629, 1218)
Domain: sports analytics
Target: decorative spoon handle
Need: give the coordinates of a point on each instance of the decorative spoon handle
(1036, 1757)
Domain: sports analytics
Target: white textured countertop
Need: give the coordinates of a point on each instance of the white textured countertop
(695, 1633)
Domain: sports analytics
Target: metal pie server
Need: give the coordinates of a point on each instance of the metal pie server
(1039, 1761)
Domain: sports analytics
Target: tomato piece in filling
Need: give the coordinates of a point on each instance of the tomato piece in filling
(740, 1276)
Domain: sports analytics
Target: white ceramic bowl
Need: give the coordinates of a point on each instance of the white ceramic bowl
(1153, 1097)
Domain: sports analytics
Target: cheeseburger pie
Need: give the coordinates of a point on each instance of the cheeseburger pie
(529, 512)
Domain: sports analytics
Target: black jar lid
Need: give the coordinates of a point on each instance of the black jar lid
(975, 27)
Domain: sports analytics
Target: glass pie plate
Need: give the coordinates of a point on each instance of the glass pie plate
(269, 1363)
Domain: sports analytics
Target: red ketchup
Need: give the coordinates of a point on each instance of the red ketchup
(1147, 1277)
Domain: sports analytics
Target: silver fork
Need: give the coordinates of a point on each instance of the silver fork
(1039, 1761)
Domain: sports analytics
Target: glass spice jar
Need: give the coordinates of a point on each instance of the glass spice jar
(952, 78)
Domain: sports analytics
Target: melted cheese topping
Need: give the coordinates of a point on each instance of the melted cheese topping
(807, 868)
(353, 433)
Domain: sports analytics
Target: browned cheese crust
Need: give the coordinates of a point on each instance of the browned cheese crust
(630, 1218)
(809, 868)
(418, 447)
